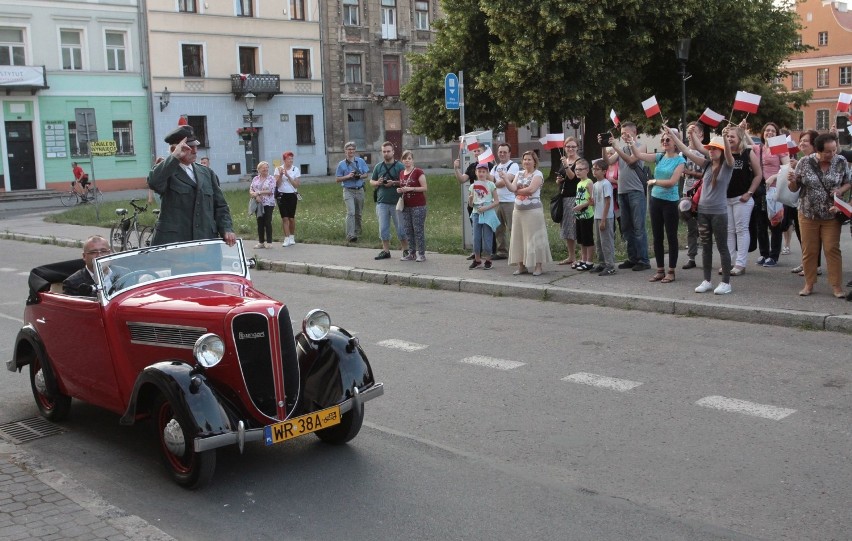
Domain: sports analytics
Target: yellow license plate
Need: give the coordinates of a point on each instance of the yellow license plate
(299, 426)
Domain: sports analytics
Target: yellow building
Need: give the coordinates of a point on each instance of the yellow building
(827, 69)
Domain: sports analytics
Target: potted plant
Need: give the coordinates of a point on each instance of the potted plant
(246, 133)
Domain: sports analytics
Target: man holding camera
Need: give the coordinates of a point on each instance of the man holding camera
(631, 194)
(385, 181)
(351, 172)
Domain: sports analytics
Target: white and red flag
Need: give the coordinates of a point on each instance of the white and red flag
(843, 102)
(614, 117)
(472, 144)
(552, 140)
(777, 144)
(843, 206)
(486, 156)
(711, 117)
(651, 107)
(792, 147)
(746, 101)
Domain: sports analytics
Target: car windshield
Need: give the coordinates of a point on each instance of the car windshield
(126, 270)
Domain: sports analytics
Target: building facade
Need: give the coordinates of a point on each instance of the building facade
(59, 60)
(827, 69)
(365, 44)
(206, 57)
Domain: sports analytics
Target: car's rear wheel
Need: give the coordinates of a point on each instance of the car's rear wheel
(54, 407)
(348, 428)
(188, 468)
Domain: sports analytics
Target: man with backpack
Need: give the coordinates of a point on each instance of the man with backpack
(385, 181)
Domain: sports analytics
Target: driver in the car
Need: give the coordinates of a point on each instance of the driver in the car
(82, 283)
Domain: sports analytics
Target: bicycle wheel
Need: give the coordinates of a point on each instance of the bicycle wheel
(69, 199)
(116, 238)
(131, 237)
(146, 236)
(96, 195)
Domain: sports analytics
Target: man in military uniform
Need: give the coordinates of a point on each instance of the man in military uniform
(193, 207)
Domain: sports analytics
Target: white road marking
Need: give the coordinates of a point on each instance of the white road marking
(745, 407)
(491, 362)
(402, 344)
(604, 382)
(25, 273)
(4, 316)
(7, 269)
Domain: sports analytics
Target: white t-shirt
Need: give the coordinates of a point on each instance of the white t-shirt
(600, 191)
(284, 186)
(503, 194)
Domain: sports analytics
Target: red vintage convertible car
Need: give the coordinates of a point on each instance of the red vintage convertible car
(181, 336)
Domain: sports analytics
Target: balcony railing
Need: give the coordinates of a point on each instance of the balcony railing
(259, 85)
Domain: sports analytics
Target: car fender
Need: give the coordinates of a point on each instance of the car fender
(331, 368)
(28, 345)
(187, 390)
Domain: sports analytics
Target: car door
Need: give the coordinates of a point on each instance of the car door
(73, 333)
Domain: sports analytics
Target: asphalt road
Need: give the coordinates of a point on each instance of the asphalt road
(498, 422)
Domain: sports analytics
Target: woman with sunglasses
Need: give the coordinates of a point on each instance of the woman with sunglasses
(665, 197)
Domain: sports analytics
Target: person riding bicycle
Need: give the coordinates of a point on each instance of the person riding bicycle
(80, 176)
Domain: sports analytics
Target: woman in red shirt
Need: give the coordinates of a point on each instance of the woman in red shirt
(412, 186)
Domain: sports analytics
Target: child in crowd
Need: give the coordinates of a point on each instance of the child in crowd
(482, 197)
(584, 213)
(603, 202)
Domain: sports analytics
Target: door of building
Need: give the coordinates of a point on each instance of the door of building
(391, 75)
(19, 142)
(393, 129)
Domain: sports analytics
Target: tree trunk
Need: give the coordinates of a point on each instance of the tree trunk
(595, 124)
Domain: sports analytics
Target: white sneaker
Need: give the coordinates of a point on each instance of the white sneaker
(292, 240)
(286, 242)
(704, 287)
(722, 289)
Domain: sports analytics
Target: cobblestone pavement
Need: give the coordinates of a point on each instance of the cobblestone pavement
(41, 504)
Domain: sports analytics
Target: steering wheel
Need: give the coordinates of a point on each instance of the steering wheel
(131, 279)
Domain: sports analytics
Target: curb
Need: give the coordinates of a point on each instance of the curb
(767, 316)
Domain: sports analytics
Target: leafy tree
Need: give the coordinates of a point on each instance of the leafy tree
(547, 60)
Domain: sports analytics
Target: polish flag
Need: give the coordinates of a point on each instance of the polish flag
(651, 107)
(778, 144)
(843, 102)
(746, 102)
(183, 121)
(711, 117)
(843, 206)
(792, 147)
(552, 140)
(614, 117)
(486, 156)
(472, 144)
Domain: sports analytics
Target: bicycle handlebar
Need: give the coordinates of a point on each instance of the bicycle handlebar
(137, 207)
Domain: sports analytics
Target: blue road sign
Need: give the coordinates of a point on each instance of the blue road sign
(451, 91)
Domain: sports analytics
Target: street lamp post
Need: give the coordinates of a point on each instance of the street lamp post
(683, 56)
(250, 152)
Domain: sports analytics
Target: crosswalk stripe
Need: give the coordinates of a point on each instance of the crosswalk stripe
(604, 382)
(402, 345)
(745, 407)
(491, 362)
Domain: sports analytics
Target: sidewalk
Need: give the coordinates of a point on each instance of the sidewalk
(764, 295)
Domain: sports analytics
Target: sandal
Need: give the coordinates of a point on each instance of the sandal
(670, 277)
(661, 273)
(566, 261)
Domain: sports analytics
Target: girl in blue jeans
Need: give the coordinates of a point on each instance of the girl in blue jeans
(482, 197)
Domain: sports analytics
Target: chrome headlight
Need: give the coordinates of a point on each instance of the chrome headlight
(316, 324)
(208, 350)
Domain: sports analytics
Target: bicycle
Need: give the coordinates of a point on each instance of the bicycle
(73, 197)
(126, 234)
(149, 232)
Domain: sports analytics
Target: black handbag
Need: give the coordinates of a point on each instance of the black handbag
(556, 209)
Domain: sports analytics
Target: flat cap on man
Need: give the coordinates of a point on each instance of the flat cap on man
(178, 134)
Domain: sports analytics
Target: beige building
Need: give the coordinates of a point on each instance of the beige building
(827, 70)
(205, 56)
(365, 44)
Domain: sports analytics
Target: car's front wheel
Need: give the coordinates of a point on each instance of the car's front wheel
(54, 407)
(188, 468)
(348, 428)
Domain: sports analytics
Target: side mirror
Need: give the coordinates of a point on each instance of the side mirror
(251, 262)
